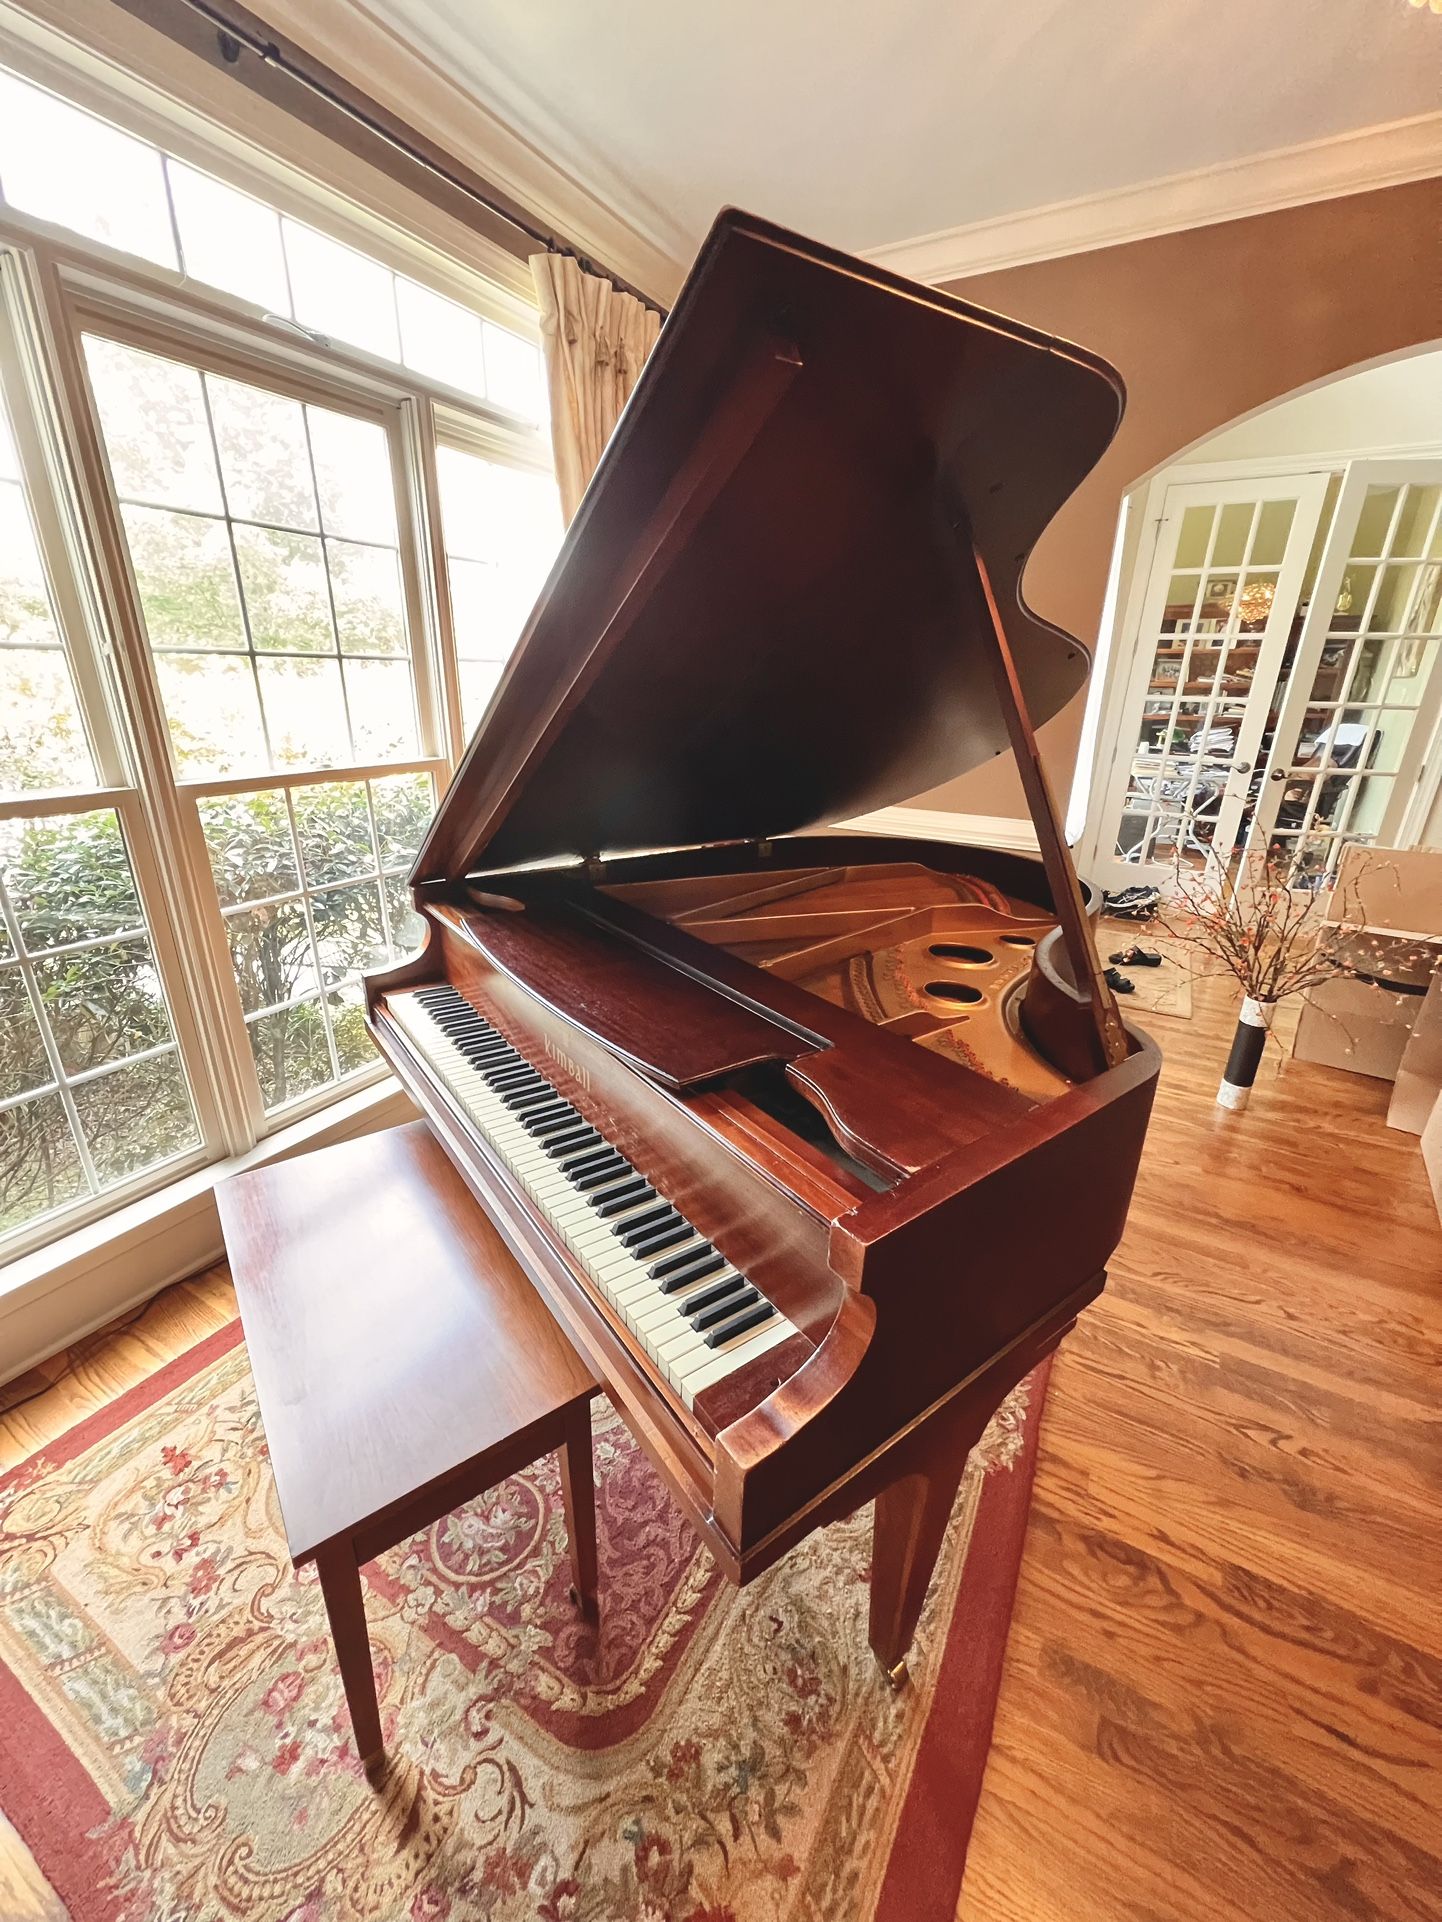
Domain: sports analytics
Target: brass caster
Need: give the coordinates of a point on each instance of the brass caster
(898, 1677)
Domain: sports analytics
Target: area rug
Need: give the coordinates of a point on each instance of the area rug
(174, 1746)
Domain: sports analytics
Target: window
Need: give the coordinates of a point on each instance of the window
(263, 538)
(501, 533)
(60, 164)
(93, 1093)
(311, 884)
(226, 708)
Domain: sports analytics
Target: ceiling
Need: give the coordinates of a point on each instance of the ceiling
(871, 125)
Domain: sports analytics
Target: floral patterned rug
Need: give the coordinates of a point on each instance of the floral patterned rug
(174, 1746)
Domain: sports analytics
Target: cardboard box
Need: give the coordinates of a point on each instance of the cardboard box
(1432, 1151)
(1357, 1026)
(1387, 908)
(1419, 1073)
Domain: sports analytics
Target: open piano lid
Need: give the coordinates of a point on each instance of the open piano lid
(751, 627)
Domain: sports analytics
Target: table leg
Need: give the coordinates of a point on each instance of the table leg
(340, 1584)
(578, 1492)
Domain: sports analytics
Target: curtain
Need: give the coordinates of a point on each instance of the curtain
(596, 341)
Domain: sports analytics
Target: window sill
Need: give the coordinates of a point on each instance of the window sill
(58, 1293)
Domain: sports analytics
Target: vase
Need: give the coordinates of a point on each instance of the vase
(1253, 1024)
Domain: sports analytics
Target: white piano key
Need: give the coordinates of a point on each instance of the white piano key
(658, 1320)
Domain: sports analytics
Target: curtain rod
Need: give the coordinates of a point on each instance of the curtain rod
(236, 36)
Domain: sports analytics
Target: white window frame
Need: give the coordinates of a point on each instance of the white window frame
(56, 287)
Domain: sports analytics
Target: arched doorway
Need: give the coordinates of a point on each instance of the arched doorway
(1274, 677)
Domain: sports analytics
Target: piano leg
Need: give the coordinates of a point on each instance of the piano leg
(578, 1494)
(910, 1521)
(913, 1509)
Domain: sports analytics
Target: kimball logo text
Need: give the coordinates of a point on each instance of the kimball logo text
(572, 1068)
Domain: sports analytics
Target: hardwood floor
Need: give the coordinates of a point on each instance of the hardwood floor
(46, 1401)
(1223, 1692)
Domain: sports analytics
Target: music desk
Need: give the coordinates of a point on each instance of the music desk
(403, 1364)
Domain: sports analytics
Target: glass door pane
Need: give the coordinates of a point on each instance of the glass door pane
(1350, 738)
(1214, 624)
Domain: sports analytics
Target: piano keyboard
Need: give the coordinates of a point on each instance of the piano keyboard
(696, 1317)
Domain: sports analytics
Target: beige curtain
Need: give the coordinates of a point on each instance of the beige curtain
(596, 341)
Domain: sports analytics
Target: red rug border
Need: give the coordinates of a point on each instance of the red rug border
(944, 1791)
(58, 1823)
(132, 1402)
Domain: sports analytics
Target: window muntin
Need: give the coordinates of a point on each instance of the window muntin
(279, 641)
(43, 743)
(92, 1090)
(251, 498)
(59, 163)
(501, 529)
(264, 537)
(311, 881)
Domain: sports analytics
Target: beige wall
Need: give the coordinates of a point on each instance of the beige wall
(1203, 326)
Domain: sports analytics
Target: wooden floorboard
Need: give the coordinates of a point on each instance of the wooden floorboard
(1223, 1690)
(46, 1401)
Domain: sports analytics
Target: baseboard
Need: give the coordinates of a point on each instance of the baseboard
(60, 1293)
(1012, 834)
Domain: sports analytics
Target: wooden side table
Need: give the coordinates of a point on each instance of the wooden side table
(403, 1364)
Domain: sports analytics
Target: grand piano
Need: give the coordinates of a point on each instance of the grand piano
(815, 1141)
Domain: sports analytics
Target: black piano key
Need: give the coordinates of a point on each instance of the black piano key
(602, 1174)
(571, 1137)
(725, 1302)
(577, 1160)
(507, 1079)
(676, 1270)
(727, 1292)
(617, 1180)
(546, 1123)
(579, 1138)
(554, 1109)
(630, 1195)
(653, 1218)
(530, 1098)
(653, 1243)
(749, 1318)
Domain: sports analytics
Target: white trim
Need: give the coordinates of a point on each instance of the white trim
(1005, 832)
(1347, 163)
(76, 1284)
(1266, 465)
(109, 63)
(364, 47)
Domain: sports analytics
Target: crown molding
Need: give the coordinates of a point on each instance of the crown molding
(1382, 156)
(348, 37)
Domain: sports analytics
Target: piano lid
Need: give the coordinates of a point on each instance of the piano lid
(750, 628)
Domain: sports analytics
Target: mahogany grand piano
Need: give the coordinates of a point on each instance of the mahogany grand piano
(815, 1142)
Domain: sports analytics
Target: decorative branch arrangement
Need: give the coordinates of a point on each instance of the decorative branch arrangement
(1275, 941)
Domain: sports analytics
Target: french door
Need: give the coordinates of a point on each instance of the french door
(1285, 678)
(1189, 718)
(1359, 707)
